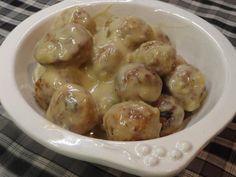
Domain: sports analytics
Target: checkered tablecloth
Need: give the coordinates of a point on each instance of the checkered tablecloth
(22, 156)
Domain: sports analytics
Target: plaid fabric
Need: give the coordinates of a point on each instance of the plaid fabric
(22, 156)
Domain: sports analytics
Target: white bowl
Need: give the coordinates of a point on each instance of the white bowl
(195, 39)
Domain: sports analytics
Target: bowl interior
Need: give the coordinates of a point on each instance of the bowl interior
(191, 42)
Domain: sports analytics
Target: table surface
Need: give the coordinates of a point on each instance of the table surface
(22, 156)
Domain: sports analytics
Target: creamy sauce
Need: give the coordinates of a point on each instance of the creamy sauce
(104, 94)
(64, 44)
(39, 70)
(104, 36)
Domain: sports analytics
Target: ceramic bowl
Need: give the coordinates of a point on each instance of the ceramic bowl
(196, 40)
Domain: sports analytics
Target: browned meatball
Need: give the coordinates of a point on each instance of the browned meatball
(132, 31)
(136, 82)
(187, 84)
(155, 54)
(171, 114)
(50, 81)
(75, 15)
(70, 43)
(73, 108)
(160, 36)
(179, 61)
(130, 121)
(106, 61)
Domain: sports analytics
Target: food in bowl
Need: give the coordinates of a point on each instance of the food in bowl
(132, 120)
(115, 78)
(73, 107)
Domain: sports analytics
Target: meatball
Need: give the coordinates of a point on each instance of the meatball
(50, 81)
(160, 36)
(75, 15)
(73, 108)
(136, 82)
(179, 61)
(132, 31)
(70, 43)
(106, 61)
(187, 84)
(131, 121)
(171, 114)
(155, 54)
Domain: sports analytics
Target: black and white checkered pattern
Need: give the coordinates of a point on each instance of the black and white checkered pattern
(22, 156)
